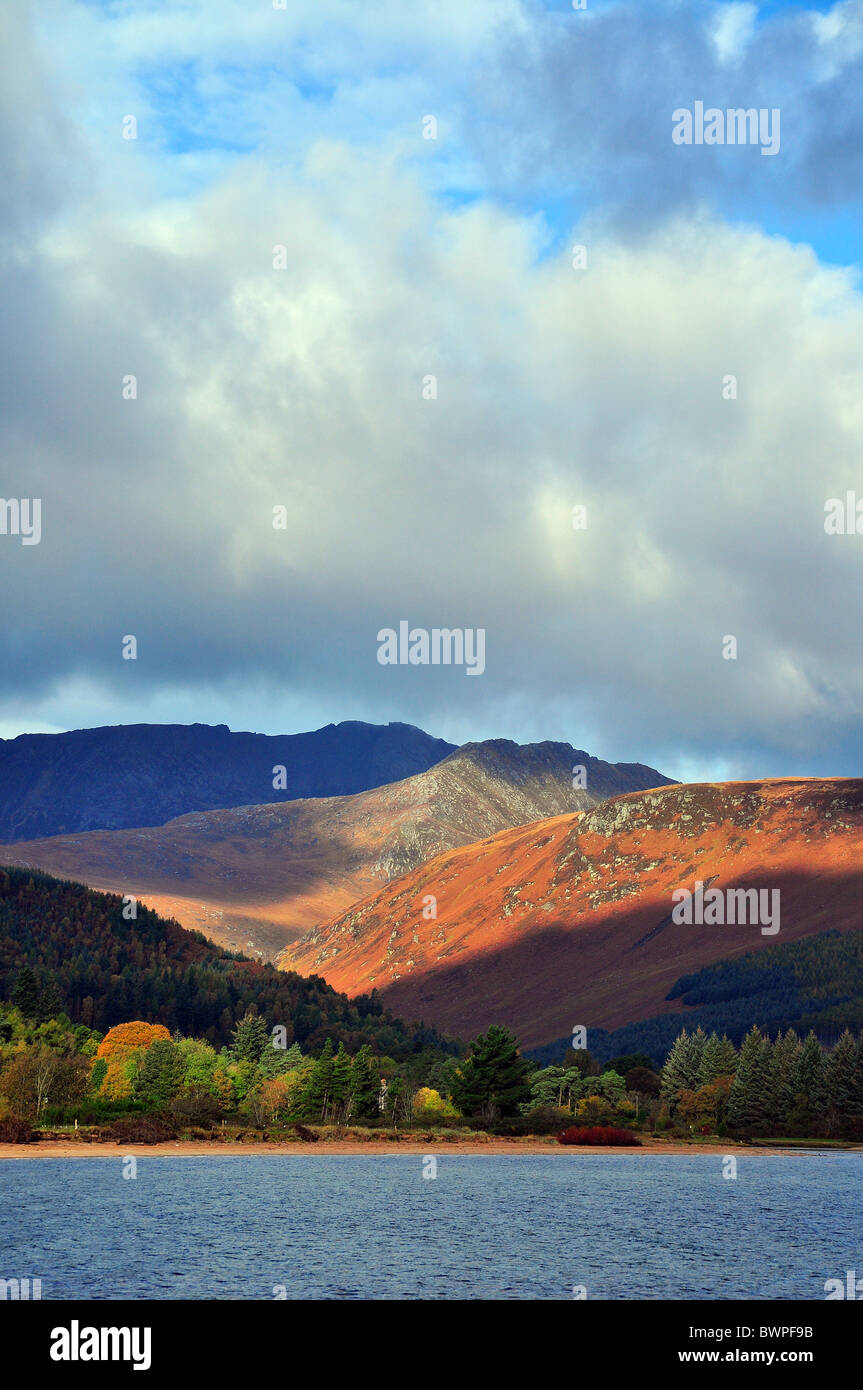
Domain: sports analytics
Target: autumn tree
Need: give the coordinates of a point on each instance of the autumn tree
(643, 1081)
(429, 1107)
(40, 1076)
(121, 1048)
(129, 1037)
(705, 1108)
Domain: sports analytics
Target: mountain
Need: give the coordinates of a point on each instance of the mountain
(813, 983)
(102, 969)
(257, 877)
(568, 922)
(146, 774)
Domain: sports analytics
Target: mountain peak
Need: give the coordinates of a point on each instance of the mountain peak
(127, 775)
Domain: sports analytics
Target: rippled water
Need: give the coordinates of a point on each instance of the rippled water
(485, 1227)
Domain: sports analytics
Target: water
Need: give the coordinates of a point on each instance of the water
(632, 1227)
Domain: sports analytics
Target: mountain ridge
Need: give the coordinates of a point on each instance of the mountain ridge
(125, 776)
(256, 877)
(552, 924)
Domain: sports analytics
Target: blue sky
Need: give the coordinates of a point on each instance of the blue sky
(452, 256)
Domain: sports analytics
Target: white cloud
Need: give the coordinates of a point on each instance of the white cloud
(733, 27)
(303, 387)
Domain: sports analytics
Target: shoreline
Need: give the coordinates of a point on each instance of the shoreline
(192, 1148)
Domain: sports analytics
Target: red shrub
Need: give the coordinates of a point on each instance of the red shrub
(599, 1135)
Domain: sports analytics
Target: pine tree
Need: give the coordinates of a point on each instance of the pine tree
(682, 1067)
(493, 1080)
(710, 1058)
(49, 1004)
(317, 1097)
(746, 1111)
(25, 994)
(159, 1076)
(809, 1089)
(395, 1099)
(784, 1064)
(550, 1086)
(697, 1044)
(855, 1104)
(250, 1038)
(839, 1083)
(341, 1084)
(365, 1085)
(276, 1060)
(726, 1057)
(771, 1095)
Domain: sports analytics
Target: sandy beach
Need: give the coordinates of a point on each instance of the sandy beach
(372, 1149)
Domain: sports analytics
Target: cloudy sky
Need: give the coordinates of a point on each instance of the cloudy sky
(295, 379)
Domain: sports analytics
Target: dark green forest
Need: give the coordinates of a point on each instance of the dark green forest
(101, 969)
(814, 984)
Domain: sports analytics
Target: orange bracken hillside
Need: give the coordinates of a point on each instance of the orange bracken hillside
(568, 920)
(253, 878)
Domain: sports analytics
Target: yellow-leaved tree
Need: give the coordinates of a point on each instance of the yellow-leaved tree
(429, 1105)
(118, 1054)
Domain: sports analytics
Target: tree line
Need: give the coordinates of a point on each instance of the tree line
(783, 1086)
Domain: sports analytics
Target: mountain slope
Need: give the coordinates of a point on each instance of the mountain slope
(568, 921)
(107, 970)
(146, 774)
(815, 982)
(257, 877)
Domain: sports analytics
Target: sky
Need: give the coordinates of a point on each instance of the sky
(321, 259)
